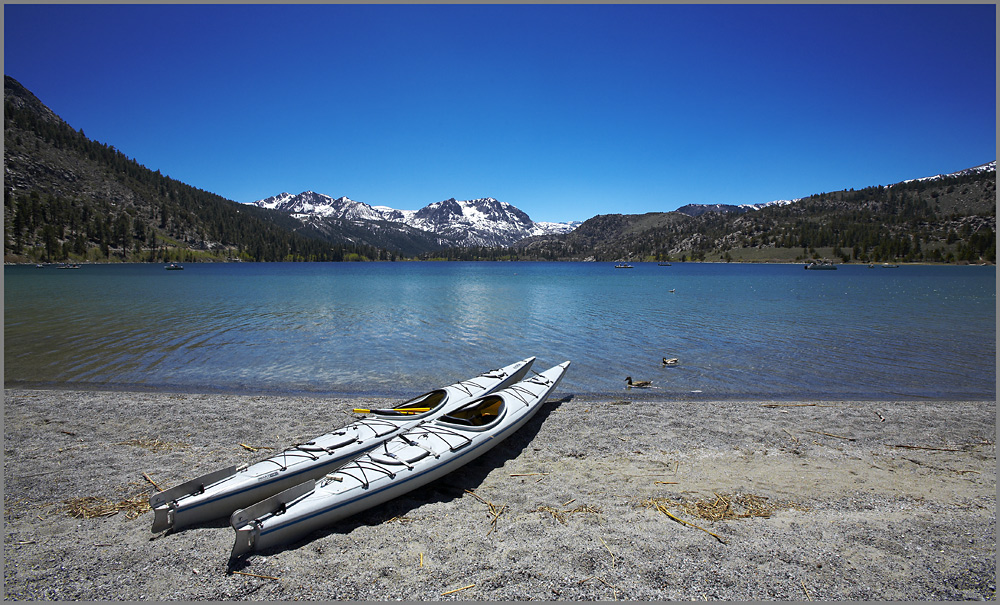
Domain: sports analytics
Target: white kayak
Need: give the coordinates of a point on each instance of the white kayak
(220, 493)
(422, 454)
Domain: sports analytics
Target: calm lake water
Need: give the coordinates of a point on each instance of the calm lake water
(397, 329)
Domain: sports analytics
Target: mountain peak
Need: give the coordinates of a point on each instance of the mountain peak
(479, 222)
(22, 98)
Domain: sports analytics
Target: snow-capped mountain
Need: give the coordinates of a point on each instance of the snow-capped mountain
(481, 222)
(766, 204)
(310, 204)
(988, 167)
(699, 209)
(547, 228)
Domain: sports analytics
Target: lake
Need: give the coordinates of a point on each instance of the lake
(397, 329)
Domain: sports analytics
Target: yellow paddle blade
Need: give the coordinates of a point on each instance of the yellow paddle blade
(402, 411)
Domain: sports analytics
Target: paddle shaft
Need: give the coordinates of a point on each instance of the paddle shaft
(406, 411)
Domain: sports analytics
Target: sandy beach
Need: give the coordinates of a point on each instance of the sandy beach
(616, 499)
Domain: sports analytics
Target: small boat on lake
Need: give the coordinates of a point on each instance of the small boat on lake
(174, 267)
(422, 454)
(821, 266)
(219, 493)
(623, 266)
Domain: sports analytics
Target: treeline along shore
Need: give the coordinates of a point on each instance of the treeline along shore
(69, 198)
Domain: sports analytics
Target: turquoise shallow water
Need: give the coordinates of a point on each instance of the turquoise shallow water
(393, 329)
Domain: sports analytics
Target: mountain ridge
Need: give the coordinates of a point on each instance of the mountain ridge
(69, 198)
(481, 222)
(699, 209)
(946, 218)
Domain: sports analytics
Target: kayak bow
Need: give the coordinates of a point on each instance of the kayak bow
(418, 456)
(219, 493)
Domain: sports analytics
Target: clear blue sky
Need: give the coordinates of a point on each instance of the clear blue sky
(565, 111)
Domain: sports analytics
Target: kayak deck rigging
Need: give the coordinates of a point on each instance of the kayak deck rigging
(313, 451)
(466, 385)
(219, 493)
(428, 450)
(381, 461)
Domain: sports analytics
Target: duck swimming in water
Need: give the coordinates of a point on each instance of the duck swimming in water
(640, 384)
(671, 362)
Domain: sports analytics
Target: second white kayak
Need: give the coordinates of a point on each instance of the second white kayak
(220, 493)
(403, 463)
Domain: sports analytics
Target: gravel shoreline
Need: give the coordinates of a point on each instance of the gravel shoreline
(592, 500)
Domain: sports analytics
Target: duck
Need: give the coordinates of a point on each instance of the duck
(640, 384)
(671, 362)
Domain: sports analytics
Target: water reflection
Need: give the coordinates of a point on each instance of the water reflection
(387, 328)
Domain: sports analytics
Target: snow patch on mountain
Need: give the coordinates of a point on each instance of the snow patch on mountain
(549, 228)
(766, 204)
(988, 167)
(478, 222)
(310, 204)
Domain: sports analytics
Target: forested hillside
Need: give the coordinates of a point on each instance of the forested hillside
(951, 219)
(69, 198)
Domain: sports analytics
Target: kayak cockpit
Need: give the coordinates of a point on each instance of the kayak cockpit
(416, 406)
(481, 413)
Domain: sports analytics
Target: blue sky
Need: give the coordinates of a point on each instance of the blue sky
(565, 111)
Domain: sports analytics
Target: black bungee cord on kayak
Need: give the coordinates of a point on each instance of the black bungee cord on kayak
(524, 394)
(437, 431)
(498, 373)
(363, 479)
(310, 452)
